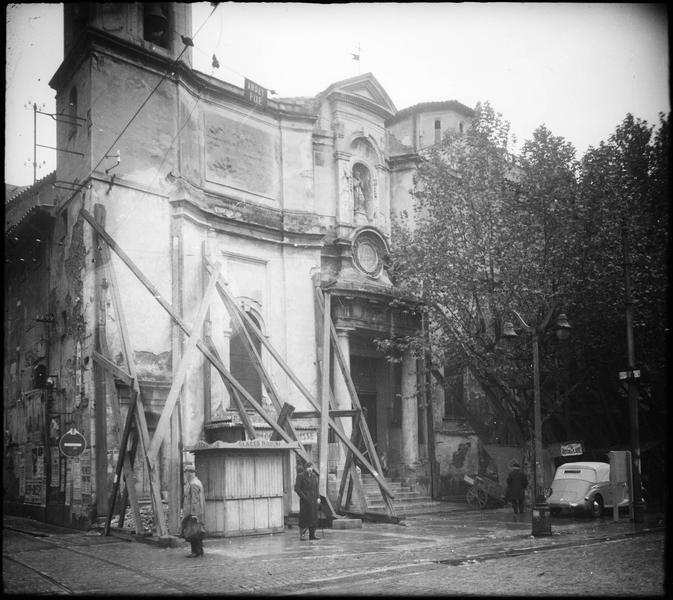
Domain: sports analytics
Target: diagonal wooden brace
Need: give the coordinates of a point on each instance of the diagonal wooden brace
(245, 419)
(179, 376)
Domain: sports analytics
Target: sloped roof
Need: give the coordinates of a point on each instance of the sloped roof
(27, 202)
(12, 190)
(432, 106)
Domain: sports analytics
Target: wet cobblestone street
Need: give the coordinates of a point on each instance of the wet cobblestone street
(484, 553)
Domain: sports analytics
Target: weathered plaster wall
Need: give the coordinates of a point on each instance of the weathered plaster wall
(297, 166)
(401, 182)
(118, 90)
(450, 121)
(242, 154)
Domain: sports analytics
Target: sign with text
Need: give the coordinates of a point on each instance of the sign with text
(255, 93)
(72, 443)
(571, 449)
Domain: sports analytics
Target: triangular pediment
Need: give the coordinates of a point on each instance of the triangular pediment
(365, 87)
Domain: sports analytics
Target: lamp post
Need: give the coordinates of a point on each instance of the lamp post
(541, 524)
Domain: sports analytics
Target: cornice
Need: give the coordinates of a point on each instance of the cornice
(361, 102)
(96, 41)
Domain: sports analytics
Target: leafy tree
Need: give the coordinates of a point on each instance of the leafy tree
(623, 207)
(540, 234)
(489, 235)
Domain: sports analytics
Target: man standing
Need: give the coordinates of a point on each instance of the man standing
(516, 484)
(306, 487)
(194, 511)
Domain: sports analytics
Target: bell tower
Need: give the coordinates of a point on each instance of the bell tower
(114, 52)
(154, 26)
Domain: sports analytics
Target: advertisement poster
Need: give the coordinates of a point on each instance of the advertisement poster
(76, 480)
(37, 462)
(85, 473)
(62, 469)
(55, 469)
(21, 472)
(36, 492)
(68, 478)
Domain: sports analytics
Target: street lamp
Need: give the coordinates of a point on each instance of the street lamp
(541, 525)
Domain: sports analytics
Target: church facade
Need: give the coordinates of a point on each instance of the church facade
(283, 194)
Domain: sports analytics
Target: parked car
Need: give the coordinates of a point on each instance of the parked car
(586, 487)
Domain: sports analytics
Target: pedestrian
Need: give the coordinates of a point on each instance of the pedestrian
(516, 484)
(194, 511)
(306, 487)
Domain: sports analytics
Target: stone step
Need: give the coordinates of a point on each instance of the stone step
(393, 487)
(403, 493)
(416, 502)
(430, 508)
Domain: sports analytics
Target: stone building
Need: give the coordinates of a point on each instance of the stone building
(178, 166)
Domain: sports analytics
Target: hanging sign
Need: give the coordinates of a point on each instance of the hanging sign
(571, 449)
(72, 443)
(255, 93)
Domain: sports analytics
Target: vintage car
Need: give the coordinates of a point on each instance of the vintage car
(586, 487)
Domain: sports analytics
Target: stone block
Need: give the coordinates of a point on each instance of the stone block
(347, 524)
(168, 541)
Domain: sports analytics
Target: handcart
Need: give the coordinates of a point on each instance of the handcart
(483, 490)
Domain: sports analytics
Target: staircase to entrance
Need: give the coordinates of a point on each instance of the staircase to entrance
(407, 502)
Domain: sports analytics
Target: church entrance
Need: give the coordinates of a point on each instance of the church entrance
(363, 371)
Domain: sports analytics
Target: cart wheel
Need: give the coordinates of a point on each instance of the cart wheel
(476, 497)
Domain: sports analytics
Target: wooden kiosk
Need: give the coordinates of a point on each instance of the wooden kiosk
(244, 487)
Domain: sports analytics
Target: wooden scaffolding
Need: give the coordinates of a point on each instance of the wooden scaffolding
(133, 433)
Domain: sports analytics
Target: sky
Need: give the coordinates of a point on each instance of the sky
(577, 68)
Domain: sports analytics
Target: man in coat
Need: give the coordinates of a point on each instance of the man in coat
(194, 505)
(306, 487)
(516, 484)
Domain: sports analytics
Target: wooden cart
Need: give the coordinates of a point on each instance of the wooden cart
(482, 490)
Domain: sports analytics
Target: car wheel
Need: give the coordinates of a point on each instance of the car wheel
(555, 511)
(596, 506)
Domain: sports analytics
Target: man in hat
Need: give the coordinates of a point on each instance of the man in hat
(516, 485)
(306, 487)
(194, 507)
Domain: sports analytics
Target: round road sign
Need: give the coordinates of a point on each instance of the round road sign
(72, 443)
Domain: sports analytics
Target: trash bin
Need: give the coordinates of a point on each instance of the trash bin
(541, 517)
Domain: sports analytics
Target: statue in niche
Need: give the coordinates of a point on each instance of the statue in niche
(361, 189)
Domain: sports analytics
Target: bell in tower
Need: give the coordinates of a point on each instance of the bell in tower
(155, 23)
(155, 26)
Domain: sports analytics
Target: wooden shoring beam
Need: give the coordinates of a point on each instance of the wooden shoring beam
(345, 476)
(127, 351)
(364, 429)
(300, 386)
(245, 419)
(285, 415)
(176, 317)
(125, 496)
(314, 414)
(179, 375)
(239, 325)
(123, 458)
(123, 462)
(323, 448)
(350, 478)
(114, 369)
